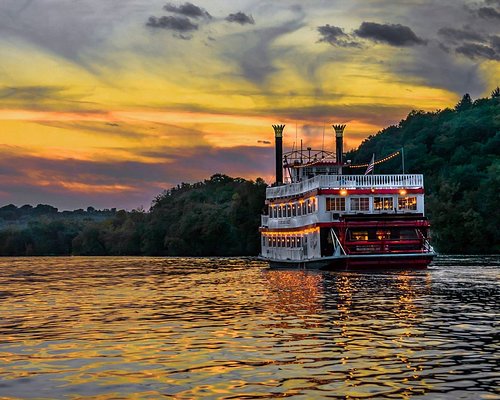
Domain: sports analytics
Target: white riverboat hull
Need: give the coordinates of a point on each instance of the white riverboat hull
(359, 261)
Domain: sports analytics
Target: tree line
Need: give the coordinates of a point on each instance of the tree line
(217, 217)
(456, 149)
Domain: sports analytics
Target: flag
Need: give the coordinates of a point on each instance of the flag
(371, 165)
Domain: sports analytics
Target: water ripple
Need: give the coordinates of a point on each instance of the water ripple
(232, 328)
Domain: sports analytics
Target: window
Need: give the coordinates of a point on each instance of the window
(358, 235)
(335, 204)
(407, 203)
(360, 204)
(383, 203)
(383, 234)
(294, 210)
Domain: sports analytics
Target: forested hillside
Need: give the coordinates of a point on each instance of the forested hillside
(458, 152)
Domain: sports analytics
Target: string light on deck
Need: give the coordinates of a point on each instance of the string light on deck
(382, 160)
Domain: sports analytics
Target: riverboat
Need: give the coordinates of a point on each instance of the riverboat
(325, 216)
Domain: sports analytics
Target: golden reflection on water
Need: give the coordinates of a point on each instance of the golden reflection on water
(229, 328)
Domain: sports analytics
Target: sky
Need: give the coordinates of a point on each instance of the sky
(107, 103)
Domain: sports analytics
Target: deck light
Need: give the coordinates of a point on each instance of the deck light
(343, 192)
(402, 192)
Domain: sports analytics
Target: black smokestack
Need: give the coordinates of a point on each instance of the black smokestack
(339, 142)
(278, 135)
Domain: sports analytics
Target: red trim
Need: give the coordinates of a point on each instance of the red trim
(369, 191)
(354, 224)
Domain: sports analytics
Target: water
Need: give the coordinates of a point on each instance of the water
(111, 328)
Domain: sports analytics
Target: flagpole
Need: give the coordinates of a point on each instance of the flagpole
(403, 158)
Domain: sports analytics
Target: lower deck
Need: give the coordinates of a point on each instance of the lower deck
(350, 242)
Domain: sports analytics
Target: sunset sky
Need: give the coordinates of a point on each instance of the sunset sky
(106, 103)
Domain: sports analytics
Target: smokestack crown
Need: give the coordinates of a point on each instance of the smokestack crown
(339, 130)
(278, 130)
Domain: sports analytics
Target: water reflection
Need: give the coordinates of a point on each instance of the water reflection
(232, 328)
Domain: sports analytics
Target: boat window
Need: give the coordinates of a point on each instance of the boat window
(335, 204)
(383, 234)
(383, 203)
(407, 203)
(360, 204)
(358, 235)
(408, 234)
(294, 210)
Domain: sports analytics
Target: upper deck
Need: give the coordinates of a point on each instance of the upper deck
(399, 181)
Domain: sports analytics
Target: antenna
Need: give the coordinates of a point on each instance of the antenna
(296, 132)
(323, 144)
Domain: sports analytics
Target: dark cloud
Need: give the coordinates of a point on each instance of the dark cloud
(373, 114)
(70, 183)
(187, 9)
(488, 12)
(495, 43)
(392, 34)
(240, 18)
(178, 24)
(335, 36)
(30, 92)
(474, 51)
(458, 35)
(263, 141)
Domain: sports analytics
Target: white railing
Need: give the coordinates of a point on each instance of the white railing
(347, 182)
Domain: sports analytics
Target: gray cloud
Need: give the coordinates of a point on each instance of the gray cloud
(187, 9)
(253, 50)
(335, 36)
(178, 24)
(439, 69)
(75, 30)
(240, 18)
(474, 51)
(458, 35)
(488, 12)
(48, 98)
(392, 34)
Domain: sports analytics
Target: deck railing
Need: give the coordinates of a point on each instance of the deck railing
(348, 182)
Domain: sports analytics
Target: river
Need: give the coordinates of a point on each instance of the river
(213, 328)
